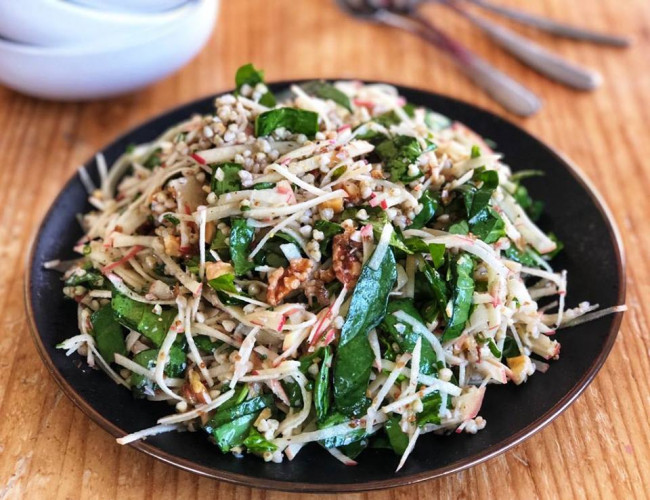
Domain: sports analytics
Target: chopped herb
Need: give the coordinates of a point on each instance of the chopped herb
(294, 120)
(324, 90)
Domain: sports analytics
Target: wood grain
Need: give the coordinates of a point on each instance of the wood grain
(599, 448)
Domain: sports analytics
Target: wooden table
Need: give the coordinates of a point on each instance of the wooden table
(599, 448)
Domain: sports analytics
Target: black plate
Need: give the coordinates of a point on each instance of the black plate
(593, 257)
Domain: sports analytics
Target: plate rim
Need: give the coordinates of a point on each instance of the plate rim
(392, 482)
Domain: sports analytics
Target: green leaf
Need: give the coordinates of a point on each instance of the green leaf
(408, 338)
(533, 208)
(398, 439)
(429, 206)
(437, 285)
(224, 283)
(437, 252)
(91, 278)
(353, 436)
(293, 392)
(398, 153)
(175, 368)
(230, 182)
(263, 185)
(392, 118)
(510, 348)
(460, 227)
(225, 415)
(476, 151)
(353, 361)
(247, 74)
(205, 343)
(171, 219)
(154, 159)
(234, 433)
(488, 225)
(494, 349)
(108, 334)
(241, 237)
(294, 120)
(525, 174)
(322, 386)
(324, 90)
(220, 246)
(140, 317)
(463, 291)
(308, 359)
(523, 257)
(481, 197)
(256, 443)
(430, 413)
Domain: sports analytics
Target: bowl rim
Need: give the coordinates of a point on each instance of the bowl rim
(145, 35)
(391, 482)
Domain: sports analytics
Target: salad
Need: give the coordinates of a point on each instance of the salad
(342, 268)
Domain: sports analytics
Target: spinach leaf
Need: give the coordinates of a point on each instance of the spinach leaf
(234, 433)
(510, 348)
(476, 200)
(392, 118)
(398, 153)
(247, 74)
(460, 227)
(108, 334)
(488, 225)
(463, 290)
(241, 237)
(329, 230)
(408, 338)
(219, 245)
(308, 359)
(430, 413)
(523, 257)
(324, 90)
(230, 181)
(140, 317)
(354, 357)
(294, 120)
(398, 439)
(175, 367)
(532, 207)
(437, 252)
(256, 443)
(224, 283)
(429, 207)
(437, 285)
(205, 343)
(292, 389)
(224, 415)
(322, 386)
(92, 278)
(356, 434)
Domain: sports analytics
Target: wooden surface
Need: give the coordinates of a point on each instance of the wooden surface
(599, 448)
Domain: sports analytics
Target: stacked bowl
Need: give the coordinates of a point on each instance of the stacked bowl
(87, 49)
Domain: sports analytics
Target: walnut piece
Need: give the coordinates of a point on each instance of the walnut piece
(284, 281)
(346, 259)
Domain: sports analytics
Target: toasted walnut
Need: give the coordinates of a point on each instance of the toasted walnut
(346, 258)
(315, 289)
(172, 245)
(352, 188)
(284, 281)
(325, 275)
(376, 174)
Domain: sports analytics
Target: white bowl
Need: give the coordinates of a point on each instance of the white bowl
(93, 71)
(132, 5)
(58, 22)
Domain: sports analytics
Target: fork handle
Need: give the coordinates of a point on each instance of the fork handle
(554, 27)
(510, 94)
(534, 55)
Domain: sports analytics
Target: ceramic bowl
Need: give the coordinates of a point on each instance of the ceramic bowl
(90, 71)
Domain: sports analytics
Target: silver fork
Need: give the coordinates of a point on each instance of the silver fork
(509, 93)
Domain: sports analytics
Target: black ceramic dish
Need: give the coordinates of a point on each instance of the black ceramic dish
(593, 257)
